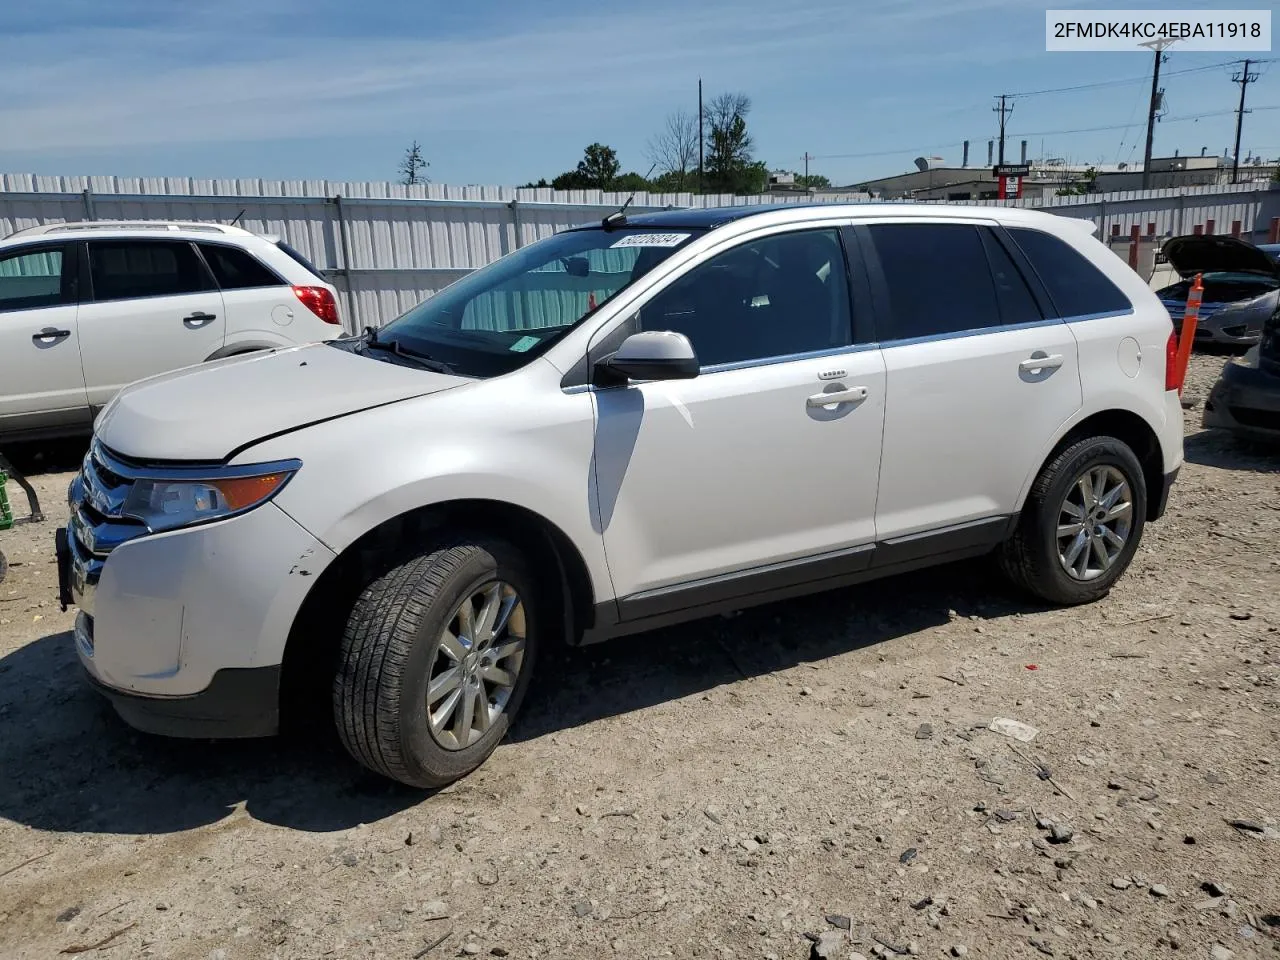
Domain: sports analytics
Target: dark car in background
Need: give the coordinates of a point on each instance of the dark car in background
(1246, 398)
(1241, 287)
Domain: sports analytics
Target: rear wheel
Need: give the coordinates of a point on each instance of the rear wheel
(435, 661)
(1081, 525)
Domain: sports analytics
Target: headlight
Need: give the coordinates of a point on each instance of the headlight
(171, 503)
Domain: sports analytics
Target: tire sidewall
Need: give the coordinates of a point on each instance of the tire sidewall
(1095, 452)
(426, 759)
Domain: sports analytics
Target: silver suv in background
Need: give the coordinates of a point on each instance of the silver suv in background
(86, 308)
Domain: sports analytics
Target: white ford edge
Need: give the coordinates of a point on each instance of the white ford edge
(629, 424)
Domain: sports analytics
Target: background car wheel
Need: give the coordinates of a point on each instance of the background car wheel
(1081, 524)
(435, 660)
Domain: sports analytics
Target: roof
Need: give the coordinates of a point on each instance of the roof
(128, 227)
(709, 218)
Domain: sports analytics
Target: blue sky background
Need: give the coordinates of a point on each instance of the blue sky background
(504, 91)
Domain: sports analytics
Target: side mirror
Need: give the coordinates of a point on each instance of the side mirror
(652, 355)
(576, 266)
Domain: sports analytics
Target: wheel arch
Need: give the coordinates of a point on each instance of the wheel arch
(311, 648)
(1125, 425)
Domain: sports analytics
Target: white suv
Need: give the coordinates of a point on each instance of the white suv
(628, 424)
(86, 308)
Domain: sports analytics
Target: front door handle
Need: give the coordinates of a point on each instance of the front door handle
(199, 318)
(48, 336)
(1040, 361)
(851, 395)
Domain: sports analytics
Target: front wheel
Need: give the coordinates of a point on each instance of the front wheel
(435, 660)
(1081, 524)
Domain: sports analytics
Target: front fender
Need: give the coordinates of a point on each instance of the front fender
(532, 452)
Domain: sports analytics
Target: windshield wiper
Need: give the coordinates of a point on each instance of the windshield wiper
(395, 347)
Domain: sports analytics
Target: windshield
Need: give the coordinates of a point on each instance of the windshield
(503, 315)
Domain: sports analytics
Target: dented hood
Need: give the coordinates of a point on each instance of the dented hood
(207, 412)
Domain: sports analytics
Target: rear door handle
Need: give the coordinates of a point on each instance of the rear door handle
(199, 317)
(1041, 361)
(46, 337)
(852, 395)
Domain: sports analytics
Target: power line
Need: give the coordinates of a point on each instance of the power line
(1244, 78)
(1030, 133)
(1004, 111)
(1098, 84)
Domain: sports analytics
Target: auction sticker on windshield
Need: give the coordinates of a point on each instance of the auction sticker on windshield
(650, 240)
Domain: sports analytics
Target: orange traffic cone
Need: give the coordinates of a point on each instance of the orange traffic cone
(1190, 317)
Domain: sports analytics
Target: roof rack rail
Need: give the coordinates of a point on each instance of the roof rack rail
(167, 226)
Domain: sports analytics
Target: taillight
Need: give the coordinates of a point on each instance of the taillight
(1171, 377)
(319, 300)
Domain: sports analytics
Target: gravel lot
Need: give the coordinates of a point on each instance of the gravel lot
(819, 770)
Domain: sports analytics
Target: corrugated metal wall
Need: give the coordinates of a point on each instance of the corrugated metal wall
(387, 246)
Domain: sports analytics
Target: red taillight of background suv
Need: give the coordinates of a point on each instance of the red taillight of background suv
(320, 301)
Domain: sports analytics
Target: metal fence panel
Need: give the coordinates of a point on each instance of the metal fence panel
(386, 246)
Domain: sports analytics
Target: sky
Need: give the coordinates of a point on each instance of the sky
(504, 92)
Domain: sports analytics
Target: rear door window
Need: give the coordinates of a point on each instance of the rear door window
(1076, 287)
(234, 269)
(937, 277)
(130, 269)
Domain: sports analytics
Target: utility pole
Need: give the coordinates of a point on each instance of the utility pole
(1004, 111)
(700, 138)
(1158, 46)
(1244, 78)
(806, 162)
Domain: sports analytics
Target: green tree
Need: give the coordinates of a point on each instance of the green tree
(814, 181)
(412, 165)
(1087, 184)
(629, 182)
(730, 166)
(1275, 176)
(599, 167)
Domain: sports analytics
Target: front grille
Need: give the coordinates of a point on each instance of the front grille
(1262, 419)
(97, 525)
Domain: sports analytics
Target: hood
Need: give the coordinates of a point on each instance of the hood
(208, 411)
(1214, 254)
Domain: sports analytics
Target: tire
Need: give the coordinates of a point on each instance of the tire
(394, 643)
(1034, 559)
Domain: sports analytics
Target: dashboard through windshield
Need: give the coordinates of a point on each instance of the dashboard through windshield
(503, 315)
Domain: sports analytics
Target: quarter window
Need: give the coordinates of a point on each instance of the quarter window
(1075, 285)
(236, 270)
(938, 278)
(780, 295)
(33, 279)
(126, 269)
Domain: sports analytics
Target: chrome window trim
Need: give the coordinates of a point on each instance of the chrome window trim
(982, 331)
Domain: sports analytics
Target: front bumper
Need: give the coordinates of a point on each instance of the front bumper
(185, 631)
(1246, 401)
(237, 703)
